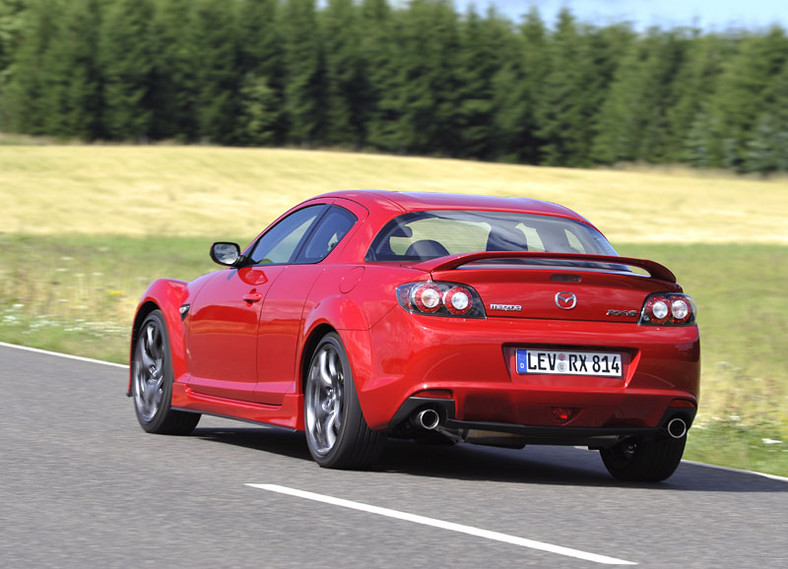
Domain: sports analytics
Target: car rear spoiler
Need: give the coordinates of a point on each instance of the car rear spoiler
(655, 270)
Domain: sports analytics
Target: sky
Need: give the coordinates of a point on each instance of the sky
(708, 15)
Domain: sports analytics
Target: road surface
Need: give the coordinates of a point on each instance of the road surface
(81, 485)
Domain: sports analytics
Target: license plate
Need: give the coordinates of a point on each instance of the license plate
(560, 362)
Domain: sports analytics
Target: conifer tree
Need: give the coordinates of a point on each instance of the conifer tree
(344, 79)
(428, 100)
(381, 53)
(12, 19)
(304, 87)
(767, 146)
(216, 63)
(518, 90)
(25, 93)
(74, 90)
(126, 55)
(261, 67)
(559, 116)
(483, 51)
(695, 83)
(175, 71)
(742, 92)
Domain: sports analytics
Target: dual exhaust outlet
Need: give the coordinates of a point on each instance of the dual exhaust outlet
(430, 419)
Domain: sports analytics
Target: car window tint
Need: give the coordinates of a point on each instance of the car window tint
(430, 234)
(280, 243)
(333, 226)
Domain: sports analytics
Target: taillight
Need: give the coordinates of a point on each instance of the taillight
(668, 309)
(427, 298)
(457, 300)
(440, 299)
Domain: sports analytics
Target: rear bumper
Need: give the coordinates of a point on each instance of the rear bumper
(594, 437)
(405, 354)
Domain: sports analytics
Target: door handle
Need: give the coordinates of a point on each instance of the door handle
(252, 297)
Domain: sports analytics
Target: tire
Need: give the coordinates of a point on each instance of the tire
(151, 385)
(336, 433)
(644, 461)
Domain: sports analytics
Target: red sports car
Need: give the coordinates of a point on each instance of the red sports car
(365, 314)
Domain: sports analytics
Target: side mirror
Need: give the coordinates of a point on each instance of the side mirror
(225, 253)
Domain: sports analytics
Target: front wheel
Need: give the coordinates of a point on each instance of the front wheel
(336, 433)
(151, 385)
(643, 461)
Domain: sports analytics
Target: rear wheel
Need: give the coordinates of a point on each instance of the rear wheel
(337, 434)
(151, 385)
(644, 461)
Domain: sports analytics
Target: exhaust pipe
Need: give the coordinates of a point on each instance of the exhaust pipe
(428, 419)
(677, 428)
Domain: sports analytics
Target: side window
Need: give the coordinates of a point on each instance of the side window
(332, 228)
(280, 243)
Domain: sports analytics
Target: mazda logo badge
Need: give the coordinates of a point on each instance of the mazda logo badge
(565, 300)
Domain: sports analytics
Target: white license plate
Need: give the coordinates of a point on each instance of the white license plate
(560, 362)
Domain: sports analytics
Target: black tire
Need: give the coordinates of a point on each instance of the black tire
(644, 461)
(336, 432)
(151, 384)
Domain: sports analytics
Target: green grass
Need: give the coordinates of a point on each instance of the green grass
(77, 294)
(743, 319)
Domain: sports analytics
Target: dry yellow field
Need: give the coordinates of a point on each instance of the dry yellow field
(182, 191)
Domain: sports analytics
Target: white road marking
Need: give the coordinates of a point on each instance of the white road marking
(450, 526)
(737, 470)
(59, 355)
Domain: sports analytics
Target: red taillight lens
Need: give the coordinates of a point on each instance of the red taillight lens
(657, 309)
(426, 298)
(680, 310)
(440, 299)
(668, 309)
(457, 300)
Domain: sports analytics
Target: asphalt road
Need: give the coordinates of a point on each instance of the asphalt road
(81, 485)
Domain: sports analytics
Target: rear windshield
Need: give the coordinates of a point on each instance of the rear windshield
(427, 235)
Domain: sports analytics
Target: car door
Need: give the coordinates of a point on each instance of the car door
(281, 319)
(224, 317)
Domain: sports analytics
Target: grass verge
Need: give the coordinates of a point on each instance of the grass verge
(77, 294)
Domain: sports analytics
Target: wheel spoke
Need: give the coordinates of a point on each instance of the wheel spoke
(148, 361)
(332, 367)
(154, 342)
(335, 419)
(326, 377)
(331, 430)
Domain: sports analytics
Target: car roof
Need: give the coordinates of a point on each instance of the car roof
(421, 201)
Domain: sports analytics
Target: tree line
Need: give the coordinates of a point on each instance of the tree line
(415, 78)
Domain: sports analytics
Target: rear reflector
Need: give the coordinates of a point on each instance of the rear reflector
(434, 393)
(682, 403)
(563, 414)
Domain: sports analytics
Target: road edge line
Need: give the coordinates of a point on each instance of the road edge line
(737, 470)
(62, 355)
(444, 525)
